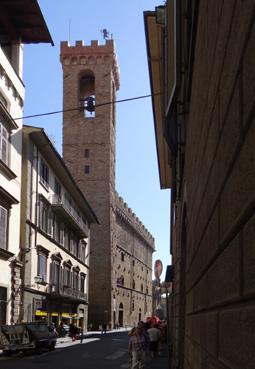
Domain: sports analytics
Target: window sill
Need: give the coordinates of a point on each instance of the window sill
(43, 283)
(6, 170)
(45, 185)
(5, 254)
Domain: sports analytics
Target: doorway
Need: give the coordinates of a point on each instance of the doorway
(3, 304)
(121, 314)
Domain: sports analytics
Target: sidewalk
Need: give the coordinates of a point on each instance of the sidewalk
(160, 362)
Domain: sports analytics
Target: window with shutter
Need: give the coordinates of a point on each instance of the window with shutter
(3, 227)
(42, 266)
(4, 140)
(82, 285)
(44, 174)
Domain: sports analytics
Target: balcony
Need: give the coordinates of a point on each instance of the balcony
(65, 291)
(61, 206)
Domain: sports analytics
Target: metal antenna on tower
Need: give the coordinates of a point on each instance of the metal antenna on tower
(69, 31)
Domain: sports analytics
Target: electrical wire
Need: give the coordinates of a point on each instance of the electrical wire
(82, 108)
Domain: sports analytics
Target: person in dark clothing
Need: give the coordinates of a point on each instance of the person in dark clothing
(81, 335)
(104, 328)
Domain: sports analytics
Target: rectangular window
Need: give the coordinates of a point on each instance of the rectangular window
(86, 169)
(4, 143)
(50, 223)
(74, 244)
(42, 266)
(3, 227)
(67, 276)
(67, 239)
(44, 216)
(82, 286)
(62, 233)
(82, 252)
(56, 229)
(56, 273)
(57, 189)
(75, 280)
(44, 173)
(86, 153)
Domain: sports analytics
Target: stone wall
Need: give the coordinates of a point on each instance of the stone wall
(218, 193)
(134, 246)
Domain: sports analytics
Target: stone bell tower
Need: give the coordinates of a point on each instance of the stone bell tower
(90, 81)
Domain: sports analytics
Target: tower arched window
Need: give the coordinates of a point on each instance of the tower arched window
(87, 94)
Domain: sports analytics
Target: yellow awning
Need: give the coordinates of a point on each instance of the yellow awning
(66, 315)
(40, 313)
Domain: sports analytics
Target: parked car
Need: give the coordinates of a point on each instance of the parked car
(26, 336)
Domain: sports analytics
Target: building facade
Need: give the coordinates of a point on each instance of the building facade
(15, 31)
(200, 57)
(55, 236)
(90, 81)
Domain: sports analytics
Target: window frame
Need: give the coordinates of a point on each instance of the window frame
(42, 252)
(6, 226)
(87, 169)
(44, 173)
(82, 282)
(3, 128)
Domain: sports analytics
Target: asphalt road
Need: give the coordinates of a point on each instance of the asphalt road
(107, 351)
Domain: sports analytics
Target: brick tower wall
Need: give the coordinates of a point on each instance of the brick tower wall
(97, 136)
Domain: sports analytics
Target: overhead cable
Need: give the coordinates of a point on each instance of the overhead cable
(83, 107)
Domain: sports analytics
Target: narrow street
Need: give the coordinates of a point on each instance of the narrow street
(98, 351)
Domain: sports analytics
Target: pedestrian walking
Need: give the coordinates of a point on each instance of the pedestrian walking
(104, 329)
(81, 335)
(137, 347)
(154, 336)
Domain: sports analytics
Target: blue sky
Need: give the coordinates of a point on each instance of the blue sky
(137, 179)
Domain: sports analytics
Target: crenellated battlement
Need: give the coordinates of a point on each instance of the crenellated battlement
(130, 217)
(88, 55)
(81, 47)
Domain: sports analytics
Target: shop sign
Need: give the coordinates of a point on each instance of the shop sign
(158, 268)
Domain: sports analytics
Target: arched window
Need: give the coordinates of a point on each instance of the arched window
(120, 281)
(87, 93)
(140, 315)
